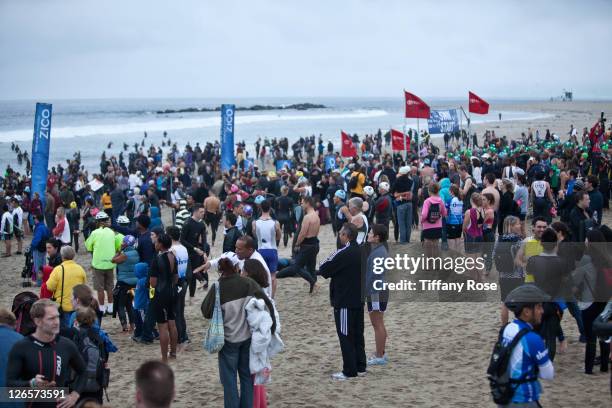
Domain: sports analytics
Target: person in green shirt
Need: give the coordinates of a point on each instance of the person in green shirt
(101, 243)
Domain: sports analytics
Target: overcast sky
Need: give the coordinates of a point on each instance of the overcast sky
(105, 49)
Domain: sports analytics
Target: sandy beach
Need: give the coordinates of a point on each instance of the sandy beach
(438, 352)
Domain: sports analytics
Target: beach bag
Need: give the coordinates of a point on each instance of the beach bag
(433, 213)
(215, 337)
(502, 386)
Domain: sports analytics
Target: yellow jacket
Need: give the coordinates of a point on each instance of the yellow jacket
(106, 201)
(74, 275)
(361, 179)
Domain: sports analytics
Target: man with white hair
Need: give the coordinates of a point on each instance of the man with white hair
(402, 191)
(63, 278)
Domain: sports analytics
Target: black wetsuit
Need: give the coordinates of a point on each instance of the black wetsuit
(193, 235)
(55, 360)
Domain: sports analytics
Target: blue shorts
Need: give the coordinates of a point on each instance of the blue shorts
(271, 258)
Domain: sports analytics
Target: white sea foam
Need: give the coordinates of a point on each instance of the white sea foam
(167, 123)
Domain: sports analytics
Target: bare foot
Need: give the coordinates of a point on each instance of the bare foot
(562, 347)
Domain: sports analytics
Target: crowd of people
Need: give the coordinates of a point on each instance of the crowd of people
(470, 200)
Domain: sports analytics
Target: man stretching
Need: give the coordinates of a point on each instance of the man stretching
(306, 246)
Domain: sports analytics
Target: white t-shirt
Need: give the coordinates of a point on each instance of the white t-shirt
(182, 259)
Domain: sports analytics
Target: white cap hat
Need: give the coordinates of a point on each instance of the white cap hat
(231, 256)
(404, 170)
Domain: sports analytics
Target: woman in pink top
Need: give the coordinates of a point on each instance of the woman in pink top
(431, 219)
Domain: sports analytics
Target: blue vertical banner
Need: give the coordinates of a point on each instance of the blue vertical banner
(228, 158)
(40, 149)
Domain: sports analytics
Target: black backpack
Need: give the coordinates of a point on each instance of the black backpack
(352, 184)
(93, 351)
(502, 386)
(504, 256)
(22, 303)
(433, 214)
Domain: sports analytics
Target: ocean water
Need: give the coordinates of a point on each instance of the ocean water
(89, 126)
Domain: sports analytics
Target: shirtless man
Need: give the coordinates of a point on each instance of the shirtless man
(306, 246)
(489, 183)
(212, 215)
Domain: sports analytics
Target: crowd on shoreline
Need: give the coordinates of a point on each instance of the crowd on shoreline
(472, 200)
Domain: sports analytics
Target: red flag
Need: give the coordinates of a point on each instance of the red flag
(477, 104)
(416, 107)
(397, 140)
(348, 148)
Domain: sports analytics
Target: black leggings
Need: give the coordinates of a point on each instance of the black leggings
(124, 304)
(212, 220)
(306, 257)
(588, 317)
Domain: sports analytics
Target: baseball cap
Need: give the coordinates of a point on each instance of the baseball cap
(404, 170)
(341, 194)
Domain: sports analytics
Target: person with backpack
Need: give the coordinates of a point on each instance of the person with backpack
(95, 355)
(473, 221)
(520, 357)
(357, 181)
(431, 219)
(511, 275)
(18, 225)
(6, 229)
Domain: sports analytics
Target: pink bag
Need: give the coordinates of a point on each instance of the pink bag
(259, 396)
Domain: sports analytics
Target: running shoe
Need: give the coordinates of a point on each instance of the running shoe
(362, 373)
(339, 376)
(373, 361)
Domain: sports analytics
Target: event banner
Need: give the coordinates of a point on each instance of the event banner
(227, 137)
(443, 121)
(330, 162)
(40, 149)
(283, 163)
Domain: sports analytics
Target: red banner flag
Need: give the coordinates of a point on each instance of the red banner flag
(416, 107)
(399, 141)
(477, 104)
(348, 148)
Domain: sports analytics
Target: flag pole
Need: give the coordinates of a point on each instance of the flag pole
(417, 135)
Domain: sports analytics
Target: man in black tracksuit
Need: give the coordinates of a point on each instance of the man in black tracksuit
(344, 269)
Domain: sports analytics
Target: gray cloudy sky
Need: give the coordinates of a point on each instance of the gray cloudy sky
(95, 49)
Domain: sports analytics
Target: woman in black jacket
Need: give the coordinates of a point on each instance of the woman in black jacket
(507, 206)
